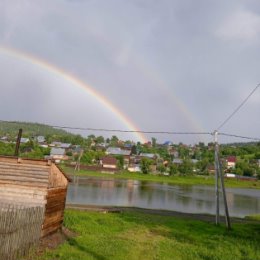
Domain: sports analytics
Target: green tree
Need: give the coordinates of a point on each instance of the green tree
(173, 169)
(153, 142)
(114, 140)
(120, 161)
(99, 140)
(186, 167)
(161, 168)
(145, 165)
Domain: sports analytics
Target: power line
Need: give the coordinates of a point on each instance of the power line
(238, 108)
(120, 130)
(242, 137)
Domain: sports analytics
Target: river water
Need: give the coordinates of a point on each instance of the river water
(150, 195)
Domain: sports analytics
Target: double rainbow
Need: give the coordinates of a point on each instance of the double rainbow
(50, 68)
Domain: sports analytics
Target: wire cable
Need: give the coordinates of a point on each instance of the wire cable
(119, 130)
(239, 107)
(239, 136)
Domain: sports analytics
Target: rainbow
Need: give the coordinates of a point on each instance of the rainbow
(50, 68)
(156, 80)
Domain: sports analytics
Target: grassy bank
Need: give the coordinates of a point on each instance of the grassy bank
(189, 180)
(132, 235)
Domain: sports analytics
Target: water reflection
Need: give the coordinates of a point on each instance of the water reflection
(183, 198)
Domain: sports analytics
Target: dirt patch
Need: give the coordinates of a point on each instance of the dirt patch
(50, 242)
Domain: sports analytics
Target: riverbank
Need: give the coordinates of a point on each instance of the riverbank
(187, 180)
(190, 216)
(139, 235)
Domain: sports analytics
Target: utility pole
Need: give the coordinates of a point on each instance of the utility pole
(219, 175)
(77, 166)
(18, 141)
(216, 177)
(228, 223)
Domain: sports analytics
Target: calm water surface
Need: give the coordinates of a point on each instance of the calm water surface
(150, 195)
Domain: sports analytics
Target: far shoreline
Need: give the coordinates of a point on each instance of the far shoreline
(177, 180)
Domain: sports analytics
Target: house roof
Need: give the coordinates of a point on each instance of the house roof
(148, 155)
(117, 151)
(177, 161)
(168, 143)
(24, 140)
(40, 139)
(231, 159)
(57, 151)
(65, 145)
(194, 161)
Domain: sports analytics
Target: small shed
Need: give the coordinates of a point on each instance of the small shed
(35, 183)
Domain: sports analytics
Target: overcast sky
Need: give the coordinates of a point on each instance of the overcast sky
(166, 65)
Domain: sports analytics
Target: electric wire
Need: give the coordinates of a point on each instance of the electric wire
(119, 130)
(140, 131)
(239, 136)
(239, 107)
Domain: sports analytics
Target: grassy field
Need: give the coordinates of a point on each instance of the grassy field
(189, 180)
(134, 236)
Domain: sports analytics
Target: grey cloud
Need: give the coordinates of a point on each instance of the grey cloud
(143, 56)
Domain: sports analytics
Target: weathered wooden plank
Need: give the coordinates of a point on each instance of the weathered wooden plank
(49, 220)
(27, 175)
(24, 199)
(21, 186)
(58, 207)
(57, 195)
(21, 190)
(55, 202)
(17, 196)
(24, 166)
(22, 172)
(24, 183)
(22, 195)
(54, 226)
(53, 191)
(56, 199)
(23, 178)
(35, 163)
(51, 206)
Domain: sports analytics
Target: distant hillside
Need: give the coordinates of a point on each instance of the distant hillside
(10, 129)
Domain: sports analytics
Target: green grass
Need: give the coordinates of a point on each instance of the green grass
(188, 180)
(133, 236)
(254, 217)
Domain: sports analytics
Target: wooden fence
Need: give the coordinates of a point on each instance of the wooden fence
(20, 228)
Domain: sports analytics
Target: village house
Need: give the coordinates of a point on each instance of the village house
(4, 139)
(134, 168)
(177, 161)
(24, 140)
(134, 163)
(118, 151)
(151, 156)
(58, 154)
(109, 164)
(231, 162)
(40, 139)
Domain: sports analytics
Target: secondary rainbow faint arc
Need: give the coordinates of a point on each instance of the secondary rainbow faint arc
(75, 81)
